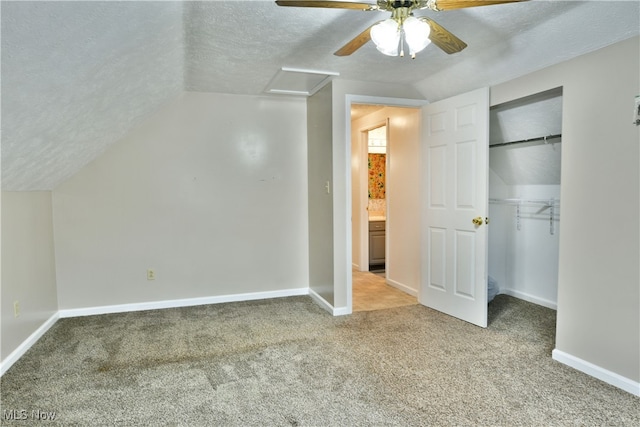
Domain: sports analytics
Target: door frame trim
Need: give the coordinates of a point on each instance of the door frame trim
(372, 100)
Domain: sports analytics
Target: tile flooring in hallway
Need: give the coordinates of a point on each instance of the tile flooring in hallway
(370, 292)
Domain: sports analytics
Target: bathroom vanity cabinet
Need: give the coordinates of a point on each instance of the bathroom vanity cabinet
(376, 243)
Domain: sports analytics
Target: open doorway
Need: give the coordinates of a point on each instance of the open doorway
(385, 206)
(376, 196)
(373, 197)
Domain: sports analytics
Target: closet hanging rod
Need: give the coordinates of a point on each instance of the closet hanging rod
(540, 138)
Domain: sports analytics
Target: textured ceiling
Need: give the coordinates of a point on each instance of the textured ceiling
(77, 76)
(508, 41)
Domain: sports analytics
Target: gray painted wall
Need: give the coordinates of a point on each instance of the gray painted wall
(210, 192)
(319, 164)
(598, 291)
(28, 266)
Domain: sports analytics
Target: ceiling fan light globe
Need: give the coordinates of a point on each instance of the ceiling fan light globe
(386, 36)
(416, 34)
(389, 51)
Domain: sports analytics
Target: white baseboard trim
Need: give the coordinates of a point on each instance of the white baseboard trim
(26, 344)
(187, 302)
(340, 311)
(531, 298)
(596, 371)
(123, 308)
(320, 301)
(403, 288)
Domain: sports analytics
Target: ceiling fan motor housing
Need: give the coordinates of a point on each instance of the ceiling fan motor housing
(402, 3)
(410, 4)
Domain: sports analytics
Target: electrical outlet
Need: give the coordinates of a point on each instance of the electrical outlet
(16, 309)
(151, 274)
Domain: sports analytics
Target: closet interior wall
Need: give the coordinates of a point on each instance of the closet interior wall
(524, 229)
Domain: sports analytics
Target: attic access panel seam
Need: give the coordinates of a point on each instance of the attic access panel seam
(295, 81)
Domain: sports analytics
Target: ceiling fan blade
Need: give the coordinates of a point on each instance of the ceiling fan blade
(461, 4)
(356, 43)
(443, 38)
(327, 4)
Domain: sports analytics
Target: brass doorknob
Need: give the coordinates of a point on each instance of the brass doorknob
(477, 221)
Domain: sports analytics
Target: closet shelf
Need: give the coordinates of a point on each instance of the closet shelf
(546, 202)
(550, 204)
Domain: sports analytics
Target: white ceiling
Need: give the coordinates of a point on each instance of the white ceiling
(77, 76)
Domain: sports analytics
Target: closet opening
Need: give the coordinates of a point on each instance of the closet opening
(525, 148)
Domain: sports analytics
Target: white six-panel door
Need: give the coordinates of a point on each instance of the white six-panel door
(455, 135)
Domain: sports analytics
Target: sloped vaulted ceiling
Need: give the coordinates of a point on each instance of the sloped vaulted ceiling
(79, 75)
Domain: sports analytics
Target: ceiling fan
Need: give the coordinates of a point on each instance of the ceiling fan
(390, 35)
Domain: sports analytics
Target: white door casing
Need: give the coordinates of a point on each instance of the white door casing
(455, 136)
(344, 285)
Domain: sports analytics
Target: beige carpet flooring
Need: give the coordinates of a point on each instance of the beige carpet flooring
(370, 292)
(287, 362)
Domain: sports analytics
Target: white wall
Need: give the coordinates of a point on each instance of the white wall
(211, 192)
(525, 262)
(28, 266)
(501, 221)
(598, 324)
(404, 200)
(359, 202)
(403, 193)
(532, 261)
